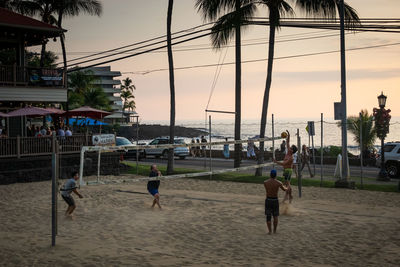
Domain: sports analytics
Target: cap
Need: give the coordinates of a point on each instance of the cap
(273, 173)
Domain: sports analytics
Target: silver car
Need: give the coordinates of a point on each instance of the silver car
(180, 152)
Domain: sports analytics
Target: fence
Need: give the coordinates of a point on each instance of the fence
(36, 146)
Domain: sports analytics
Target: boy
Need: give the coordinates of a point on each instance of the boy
(67, 189)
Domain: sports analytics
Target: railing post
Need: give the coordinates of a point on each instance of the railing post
(15, 74)
(18, 146)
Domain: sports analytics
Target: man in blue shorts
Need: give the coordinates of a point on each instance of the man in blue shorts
(67, 189)
(153, 185)
(271, 202)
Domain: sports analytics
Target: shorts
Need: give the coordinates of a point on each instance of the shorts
(69, 199)
(287, 174)
(153, 191)
(271, 208)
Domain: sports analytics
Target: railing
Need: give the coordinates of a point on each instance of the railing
(36, 146)
(26, 76)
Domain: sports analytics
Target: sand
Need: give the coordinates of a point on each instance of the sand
(202, 223)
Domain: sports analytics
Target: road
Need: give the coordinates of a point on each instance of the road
(369, 173)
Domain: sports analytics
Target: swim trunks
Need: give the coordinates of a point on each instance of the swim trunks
(271, 207)
(153, 191)
(69, 199)
(287, 173)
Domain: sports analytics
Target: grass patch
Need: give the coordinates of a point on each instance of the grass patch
(144, 170)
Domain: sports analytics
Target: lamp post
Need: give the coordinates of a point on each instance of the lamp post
(382, 119)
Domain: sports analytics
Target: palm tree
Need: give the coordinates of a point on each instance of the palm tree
(227, 27)
(128, 85)
(96, 98)
(277, 8)
(131, 105)
(170, 166)
(368, 130)
(80, 81)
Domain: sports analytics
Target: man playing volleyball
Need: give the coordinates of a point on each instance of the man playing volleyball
(67, 189)
(271, 202)
(287, 164)
(152, 185)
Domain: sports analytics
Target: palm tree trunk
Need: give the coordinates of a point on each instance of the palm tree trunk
(59, 23)
(238, 90)
(268, 82)
(42, 53)
(170, 166)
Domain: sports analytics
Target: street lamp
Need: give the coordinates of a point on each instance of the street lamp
(382, 119)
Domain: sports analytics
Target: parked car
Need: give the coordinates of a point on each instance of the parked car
(130, 153)
(180, 152)
(392, 159)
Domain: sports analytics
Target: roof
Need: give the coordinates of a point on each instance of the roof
(14, 20)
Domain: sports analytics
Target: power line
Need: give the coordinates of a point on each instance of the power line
(265, 59)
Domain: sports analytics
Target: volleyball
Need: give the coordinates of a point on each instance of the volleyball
(283, 134)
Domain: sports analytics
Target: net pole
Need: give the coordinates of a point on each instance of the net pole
(298, 161)
(98, 165)
(81, 166)
(209, 125)
(53, 192)
(273, 141)
(322, 147)
(361, 151)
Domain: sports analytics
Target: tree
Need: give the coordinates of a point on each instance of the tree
(170, 166)
(277, 8)
(229, 26)
(85, 92)
(127, 96)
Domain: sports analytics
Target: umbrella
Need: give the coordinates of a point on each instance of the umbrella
(29, 111)
(4, 115)
(56, 111)
(88, 112)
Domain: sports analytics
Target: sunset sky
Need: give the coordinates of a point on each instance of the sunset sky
(301, 87)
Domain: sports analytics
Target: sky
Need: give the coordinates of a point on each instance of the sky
(302, 87)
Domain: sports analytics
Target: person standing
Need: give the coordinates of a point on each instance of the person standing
(193, 148)
(203, 148)
(271, 201)
(66, 191)
(153, 185)
(305, 159)
(226, 149)
(250, 150)
(287, 164)
(68, 132)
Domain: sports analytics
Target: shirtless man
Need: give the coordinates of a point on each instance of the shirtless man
(271, 202)
(287, 164)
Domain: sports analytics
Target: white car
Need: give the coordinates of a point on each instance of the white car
(392, 159)
(180, 152)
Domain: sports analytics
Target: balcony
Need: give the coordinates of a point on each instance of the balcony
(32, 84)
(32, 77)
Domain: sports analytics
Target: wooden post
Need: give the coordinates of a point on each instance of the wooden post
(273, 142)
(18, 146)
(53, 192)
(322, 147)
(298, 161)
(361, 150)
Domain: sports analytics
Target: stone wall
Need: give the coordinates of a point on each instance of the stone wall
(31, 169)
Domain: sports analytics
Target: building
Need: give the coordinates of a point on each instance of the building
(21, 85)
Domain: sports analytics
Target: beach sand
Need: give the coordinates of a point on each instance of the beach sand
(202, 223)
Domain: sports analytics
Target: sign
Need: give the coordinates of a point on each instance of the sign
(45, 77)
(103, 139)
(338, 110)
(311, 128)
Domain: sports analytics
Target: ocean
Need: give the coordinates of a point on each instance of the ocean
(251, 128)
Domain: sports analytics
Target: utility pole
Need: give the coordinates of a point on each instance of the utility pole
(343, 93)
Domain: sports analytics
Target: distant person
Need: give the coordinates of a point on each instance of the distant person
(203, 148)
(193, 148)
(68, 132)
(305, 159)
(226, 149)
(271, 201)
(61, 132)
(67, 189)
(287, 164)
(250, 150)
(295, 165)
(283, 146)
(153, 185)
(43, 131)
(198, 151)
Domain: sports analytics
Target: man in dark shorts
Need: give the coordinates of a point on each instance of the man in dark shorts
(271, 202)
(67, 189)
(287, 165)
(153, 185)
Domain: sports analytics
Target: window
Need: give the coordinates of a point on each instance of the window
(388, 148)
